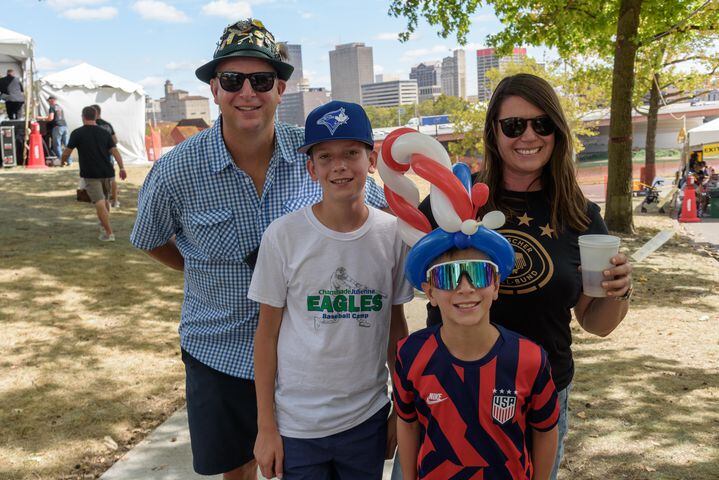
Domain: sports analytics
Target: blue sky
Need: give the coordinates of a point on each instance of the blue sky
(149, 41)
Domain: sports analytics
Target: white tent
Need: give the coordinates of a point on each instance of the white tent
(706, 133)
(122, 103)
(16, 52)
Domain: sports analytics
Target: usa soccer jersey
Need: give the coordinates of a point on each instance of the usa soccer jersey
(474, 416)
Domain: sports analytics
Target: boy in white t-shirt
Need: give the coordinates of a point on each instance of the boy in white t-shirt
(330, 282)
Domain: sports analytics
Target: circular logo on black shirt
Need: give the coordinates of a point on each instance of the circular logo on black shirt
(533, 267)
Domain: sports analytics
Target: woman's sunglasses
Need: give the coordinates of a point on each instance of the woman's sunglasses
(448, 275)
(513, 127)
(260, 81)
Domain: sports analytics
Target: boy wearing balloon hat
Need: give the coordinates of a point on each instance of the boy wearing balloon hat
(330, 282)
(473, 398)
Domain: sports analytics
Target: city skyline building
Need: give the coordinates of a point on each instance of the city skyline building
(294, 52)
(390, 94)
(178, 105)
(454, 75)
(351, 67)
(487, 60)
(153, 113)
(429, 77)
(297, 105)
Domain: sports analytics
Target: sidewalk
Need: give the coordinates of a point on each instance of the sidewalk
(165, 455)
(704, 232)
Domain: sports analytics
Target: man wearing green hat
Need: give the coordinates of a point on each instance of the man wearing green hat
(202, 210)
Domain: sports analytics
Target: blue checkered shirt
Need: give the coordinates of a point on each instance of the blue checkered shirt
(196, 193)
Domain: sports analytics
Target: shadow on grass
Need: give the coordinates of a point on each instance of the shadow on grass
(653, 405)
(675, 285)
(88, 300)
(57, 236)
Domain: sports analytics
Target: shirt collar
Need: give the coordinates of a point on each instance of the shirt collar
(284, 146)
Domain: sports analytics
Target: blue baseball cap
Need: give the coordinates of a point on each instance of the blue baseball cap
(337, 121)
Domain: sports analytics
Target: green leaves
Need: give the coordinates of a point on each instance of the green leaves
(451, 16)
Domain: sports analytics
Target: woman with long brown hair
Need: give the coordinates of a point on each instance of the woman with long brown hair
(529, 168)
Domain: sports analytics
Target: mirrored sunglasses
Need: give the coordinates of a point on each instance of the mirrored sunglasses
(513, 127)
(260, 81)
(448, 275)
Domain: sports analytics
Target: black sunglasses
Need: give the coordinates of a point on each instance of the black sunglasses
(260, 81)
(513, 127)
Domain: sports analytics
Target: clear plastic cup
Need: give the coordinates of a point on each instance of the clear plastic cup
(596, 252)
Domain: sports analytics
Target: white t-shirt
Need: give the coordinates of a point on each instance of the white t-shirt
(337, 290)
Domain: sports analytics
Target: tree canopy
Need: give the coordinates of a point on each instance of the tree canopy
(617, 29)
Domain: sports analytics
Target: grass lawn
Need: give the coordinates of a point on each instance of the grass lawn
(89, 356)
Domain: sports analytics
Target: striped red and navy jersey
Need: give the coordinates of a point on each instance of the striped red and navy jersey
(474, 417)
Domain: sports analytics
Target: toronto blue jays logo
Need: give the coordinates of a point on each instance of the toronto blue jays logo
(503, 405)
(332, 120)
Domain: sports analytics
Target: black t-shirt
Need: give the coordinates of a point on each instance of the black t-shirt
(59, 118)
(93, 144)
(5, 83)
(107, 126)
(537, 298)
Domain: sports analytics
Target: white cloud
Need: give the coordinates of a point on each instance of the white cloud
(231, 10)
(307, 15)
(82, 13)
(316, 79)
(394, 36)
(186, 65)
(66, 4)
(150, 82)
(484, 18)
(471, 47)
(45, 64)
(386, 36)
(423, 53)
(159, 11)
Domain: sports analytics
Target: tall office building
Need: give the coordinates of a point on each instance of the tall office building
(297, 105)
(429, 77)
(351, 66)
(454, 75)
(390, 94)
(487, 60)
(295, 54)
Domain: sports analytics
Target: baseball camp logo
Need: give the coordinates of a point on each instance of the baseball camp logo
(345, 299)
(504, 403)
(533, 267)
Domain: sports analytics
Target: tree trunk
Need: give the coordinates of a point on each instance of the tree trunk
(650, 159)
(618, 214)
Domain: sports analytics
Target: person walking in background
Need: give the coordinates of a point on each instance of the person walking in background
(12, 92)
(203, 209)
(94, 146)
(107, 126)
(58, 127)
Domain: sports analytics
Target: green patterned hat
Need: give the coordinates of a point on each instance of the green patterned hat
(246, 38)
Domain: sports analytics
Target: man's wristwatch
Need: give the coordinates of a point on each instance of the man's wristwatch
(627, 295)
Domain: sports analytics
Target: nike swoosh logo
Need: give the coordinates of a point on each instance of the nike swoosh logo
(432, 401)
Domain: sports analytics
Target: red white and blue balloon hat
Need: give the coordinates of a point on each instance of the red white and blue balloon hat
(454, 201)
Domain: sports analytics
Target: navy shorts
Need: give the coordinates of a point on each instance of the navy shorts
(355, 454)
(222, 414)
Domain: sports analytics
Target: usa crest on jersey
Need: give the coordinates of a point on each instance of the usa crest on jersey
(504, 403)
